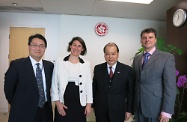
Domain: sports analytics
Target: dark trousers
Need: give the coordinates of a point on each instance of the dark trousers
(139, 117)
(104, 117)
(108, 118)
(44, 114)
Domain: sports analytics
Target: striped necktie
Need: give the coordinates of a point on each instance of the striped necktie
(146, 55)
(39, 80)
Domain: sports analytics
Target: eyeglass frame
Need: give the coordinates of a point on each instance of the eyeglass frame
(36, 46)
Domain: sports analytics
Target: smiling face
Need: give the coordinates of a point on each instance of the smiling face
(76, 48)
(37, 49)
(148, 41)
(111, 54)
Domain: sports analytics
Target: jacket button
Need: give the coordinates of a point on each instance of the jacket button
(81, 91)
(80, 83)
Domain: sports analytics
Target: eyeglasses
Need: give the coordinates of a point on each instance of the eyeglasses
(36, 46)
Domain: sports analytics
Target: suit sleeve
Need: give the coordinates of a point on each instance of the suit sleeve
(130, 92)
(10, 83)
(169, 82)
(94, 85)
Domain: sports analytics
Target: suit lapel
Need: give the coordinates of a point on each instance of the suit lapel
(116, 73)
(104, 75)
(30, 70)
(47, 75)
(139, 62)
(152, 59)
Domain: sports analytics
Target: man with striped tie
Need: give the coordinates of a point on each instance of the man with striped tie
(27, 84)
(155, 81)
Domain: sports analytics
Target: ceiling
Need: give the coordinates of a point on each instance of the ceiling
(157, 10)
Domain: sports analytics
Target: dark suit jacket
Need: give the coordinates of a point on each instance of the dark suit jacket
(155, 84)
(21, 89)
(116, 100)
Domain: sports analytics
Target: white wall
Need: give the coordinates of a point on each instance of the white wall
(61, 28)
(124, 32)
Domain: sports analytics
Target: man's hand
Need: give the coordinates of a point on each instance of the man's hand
(127, 116)
(163, 118)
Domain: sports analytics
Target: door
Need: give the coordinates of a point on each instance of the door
(18, 46)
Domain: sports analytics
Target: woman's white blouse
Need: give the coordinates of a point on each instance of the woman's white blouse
(74, 72)
(63, 72)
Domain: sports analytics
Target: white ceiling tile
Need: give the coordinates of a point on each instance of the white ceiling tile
(157, 10)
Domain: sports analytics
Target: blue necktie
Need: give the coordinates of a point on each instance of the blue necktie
(39, 80)
(146, 55)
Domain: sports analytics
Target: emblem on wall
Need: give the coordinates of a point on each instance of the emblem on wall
(101, 29)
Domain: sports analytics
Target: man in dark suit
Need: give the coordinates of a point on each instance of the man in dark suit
(22, 88)
(155, 81)
(112, 88)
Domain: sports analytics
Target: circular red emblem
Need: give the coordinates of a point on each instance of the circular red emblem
(101, 29)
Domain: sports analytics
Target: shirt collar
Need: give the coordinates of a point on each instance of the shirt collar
(80, 59)
(34, 62)
(114, 66)
(151, 51)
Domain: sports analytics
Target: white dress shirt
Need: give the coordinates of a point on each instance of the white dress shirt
(43, 73)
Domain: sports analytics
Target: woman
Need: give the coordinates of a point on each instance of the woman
(72, 85)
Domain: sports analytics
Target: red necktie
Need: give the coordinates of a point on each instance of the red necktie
(111, 72)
